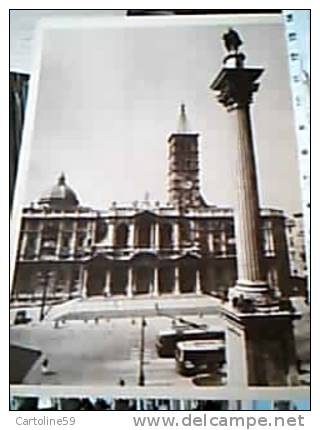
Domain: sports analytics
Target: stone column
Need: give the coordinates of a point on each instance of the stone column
(152, 236)
(93, 231)
(193, 232)
(88, 234)
(247, 217)
(176, 234)
(39, 240)
(198, 282)
(176, 280)
(271, 242)
(131, 235)
(235, 87)
(107, 290)
(260, 345)
(155, 291)
(195, 235)
(23, 245)
(157, 236)
(84, 282)
(223, 241)
(73, 245)
(110, 239)
(59, 239)
(211, 242)
(130, 282)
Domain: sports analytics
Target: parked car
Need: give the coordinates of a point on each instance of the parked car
(21, 317)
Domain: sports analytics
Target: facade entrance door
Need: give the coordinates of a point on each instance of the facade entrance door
(143, 279)
(166, 280)
(96, 278)
(187, 279)
(119, 281)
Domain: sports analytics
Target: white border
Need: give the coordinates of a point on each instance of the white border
(214, 393)
(221, 393)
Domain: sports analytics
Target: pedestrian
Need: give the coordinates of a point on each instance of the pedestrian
(45, 367)
(122, 382)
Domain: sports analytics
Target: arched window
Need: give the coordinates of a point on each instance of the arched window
(185, 232)
(143, 235)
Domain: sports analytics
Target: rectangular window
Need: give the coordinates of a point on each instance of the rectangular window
(268, 239)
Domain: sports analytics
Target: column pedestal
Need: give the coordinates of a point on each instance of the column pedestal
(260, 348)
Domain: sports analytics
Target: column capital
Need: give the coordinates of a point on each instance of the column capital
(235, 86)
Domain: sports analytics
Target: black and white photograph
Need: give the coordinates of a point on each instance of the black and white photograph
(160, 232)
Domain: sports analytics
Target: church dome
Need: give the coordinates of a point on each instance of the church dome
(60, 196)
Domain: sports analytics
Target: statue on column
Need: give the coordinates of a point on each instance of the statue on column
(232, 43)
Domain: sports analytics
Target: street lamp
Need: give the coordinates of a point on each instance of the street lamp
(45, 283)
(141, 381)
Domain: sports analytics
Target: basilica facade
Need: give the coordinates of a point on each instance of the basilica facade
(183, 247)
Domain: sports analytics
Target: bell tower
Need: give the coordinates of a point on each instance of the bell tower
(183, 175)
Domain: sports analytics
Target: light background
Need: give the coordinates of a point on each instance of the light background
(23, 24)
(109, 98)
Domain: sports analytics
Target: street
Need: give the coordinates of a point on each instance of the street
(97, 341)
(103, 353)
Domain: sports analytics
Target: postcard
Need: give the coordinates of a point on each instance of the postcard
(159, 229)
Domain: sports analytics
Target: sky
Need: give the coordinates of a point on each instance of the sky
(23, 24)
(108, 99)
